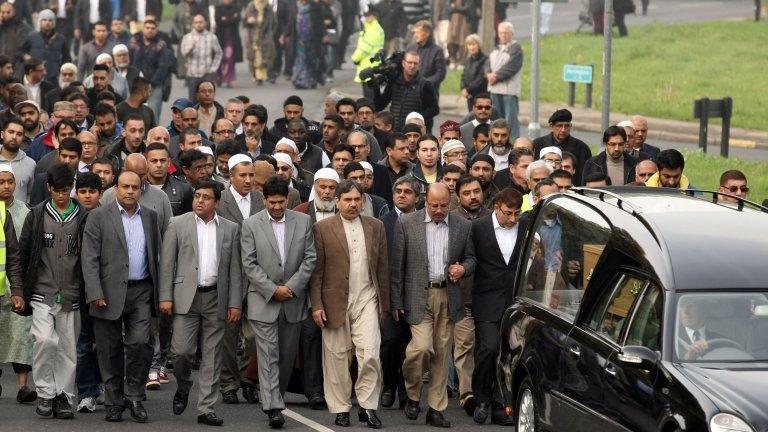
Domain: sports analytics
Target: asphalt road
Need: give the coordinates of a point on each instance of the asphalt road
(243, 417)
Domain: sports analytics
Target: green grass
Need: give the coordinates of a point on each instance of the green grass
(659, 70)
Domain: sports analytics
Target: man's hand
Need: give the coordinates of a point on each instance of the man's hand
(283, 293)
(491, 77)
(166, 307)
(99, 303)
(465, 93)
(234, 315)
(95, 130)
(18, 303)
(698, 349)
(574, 267)
(319, 317)
(397, 313)
(456, 272)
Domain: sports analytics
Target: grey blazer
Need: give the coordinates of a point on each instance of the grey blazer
(264, 270)
(228, 209)
(409, 269)
(178, 265)
(104, 258)
(153, 198)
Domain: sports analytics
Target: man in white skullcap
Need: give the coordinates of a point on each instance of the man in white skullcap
(322, 203)
(301, 179)
(453, 150)
(417, 119)
(553, 156)
(123, 65)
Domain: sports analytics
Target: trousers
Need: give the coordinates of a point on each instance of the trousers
(54, 353)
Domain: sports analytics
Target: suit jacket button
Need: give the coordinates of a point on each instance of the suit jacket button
(126, 266)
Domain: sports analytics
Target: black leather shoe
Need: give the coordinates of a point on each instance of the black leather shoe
(500, 417)
(470, 403)
(62, 409)
(230, 397)
(114, 413)
(411, 409)
(317, 402)
(481, 412)
(26, 395)
(342, 419)
(369, 417)
(210, 419)
(250, 393)
(138, 413)
(276, 419)
(387, 397)
(180, 402)
(436, 419)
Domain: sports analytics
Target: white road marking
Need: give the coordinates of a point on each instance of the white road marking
(306, 422)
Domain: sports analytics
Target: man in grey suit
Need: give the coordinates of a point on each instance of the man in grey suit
(238, 202)
(433, 252)
(278, 252)
(119, 261)
(200, 285)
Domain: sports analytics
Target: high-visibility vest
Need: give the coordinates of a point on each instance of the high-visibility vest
(2, 249)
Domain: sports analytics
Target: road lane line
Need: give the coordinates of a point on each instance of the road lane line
(306, 422)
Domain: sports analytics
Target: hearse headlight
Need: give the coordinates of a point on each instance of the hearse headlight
(725, 422)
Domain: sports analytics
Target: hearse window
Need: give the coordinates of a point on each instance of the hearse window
(611, 316)
(567, 243)
(645, 324)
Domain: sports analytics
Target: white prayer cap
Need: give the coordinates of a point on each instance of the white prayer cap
(550, 149)
(119, 48)
(102, 58)
(238, 159)
(414, 115)
(327, 174)
(625, 123)
(367, 166)
(6, 168)
(288, 142)
(451, 144)
(68, 67)
(283, 158)
(205, 150)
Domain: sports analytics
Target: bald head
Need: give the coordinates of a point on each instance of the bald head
(523, 142)
(158, 134)
(644, 170)
(640, 125)
(438, 201)
(137, 163)
(86, 135)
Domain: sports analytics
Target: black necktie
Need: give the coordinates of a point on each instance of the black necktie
(696, 335)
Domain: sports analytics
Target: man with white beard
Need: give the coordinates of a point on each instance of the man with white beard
(123, 65)
(117, 81)
(322, 203)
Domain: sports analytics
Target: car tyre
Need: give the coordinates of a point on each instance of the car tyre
(526, 414)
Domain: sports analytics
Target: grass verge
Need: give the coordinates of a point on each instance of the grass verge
(659, 70)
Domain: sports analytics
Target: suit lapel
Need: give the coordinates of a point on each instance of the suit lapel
(368, 236)
(118, 225)
(290, 231)
(453, 251)
(256, 199)
(192, 225)
(341, 236)
(231, 206)
(148, 230)
(421, 237)
(492, 239)
(266, 226)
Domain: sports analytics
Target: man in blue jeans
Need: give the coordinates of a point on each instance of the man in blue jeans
(506, 63)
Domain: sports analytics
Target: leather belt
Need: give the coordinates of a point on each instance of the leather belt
(436, 285)
(137, 282)
(205, 289)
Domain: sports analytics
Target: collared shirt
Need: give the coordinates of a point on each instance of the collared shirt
(501, 161)
(505, 237)
(137, 245)
(437, 248)
(689, 331)
(278, 228)
(243, 202)
(551, 232)
(398, 212)
(83, 167)
(34, 91)
(207, 256)
(322, 214)
(361, 290)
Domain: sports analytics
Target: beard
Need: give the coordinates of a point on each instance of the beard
(29, 127)
(500, 149)
(326, 206)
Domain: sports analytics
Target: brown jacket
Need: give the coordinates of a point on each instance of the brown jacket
(329, 283)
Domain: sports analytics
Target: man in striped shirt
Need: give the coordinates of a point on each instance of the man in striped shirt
(202, 54)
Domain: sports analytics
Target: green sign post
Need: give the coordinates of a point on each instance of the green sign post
(583, 74)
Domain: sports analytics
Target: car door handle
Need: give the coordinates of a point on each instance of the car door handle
(610, 369)
(575, 350)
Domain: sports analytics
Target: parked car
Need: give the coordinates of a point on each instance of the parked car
(639, 309)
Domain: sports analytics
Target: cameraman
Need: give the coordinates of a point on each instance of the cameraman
(408, 92)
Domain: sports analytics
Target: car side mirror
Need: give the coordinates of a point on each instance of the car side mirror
(637, 356)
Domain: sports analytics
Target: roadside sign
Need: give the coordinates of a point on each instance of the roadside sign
(577, 73)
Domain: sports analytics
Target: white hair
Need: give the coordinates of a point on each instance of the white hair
(508, 25)
(538, 164)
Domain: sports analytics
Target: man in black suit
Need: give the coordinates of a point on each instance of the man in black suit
(120, 259)
(498, 239)
(694, 335)
(640, 125)
(560, 122)
(395, 335)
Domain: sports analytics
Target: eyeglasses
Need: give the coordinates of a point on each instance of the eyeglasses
(510, 213)
(562, 126)
(88, 144)
(225, 131)
(484, 107)
(734, 189)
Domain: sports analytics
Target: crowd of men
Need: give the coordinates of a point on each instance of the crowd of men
(350, 259)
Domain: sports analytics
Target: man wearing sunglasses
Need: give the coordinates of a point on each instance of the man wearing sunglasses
(482, 109)
(734, 184)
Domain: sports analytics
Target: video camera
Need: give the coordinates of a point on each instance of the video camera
(387, 70)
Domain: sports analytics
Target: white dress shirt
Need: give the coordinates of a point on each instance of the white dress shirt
(501, 161)
(690, 331)
(93, 16)
(243, 202)
(207, 256)
(278, 228)
(34, 91)
(437, 248)
(505, 237)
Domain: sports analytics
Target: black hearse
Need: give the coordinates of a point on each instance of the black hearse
(639, 309)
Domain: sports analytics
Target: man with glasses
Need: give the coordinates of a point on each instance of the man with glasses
(733, 182)
(222, 130)
(613, 161)
(560, 125)
(536, 172)
(553, 156)
(482, 109)
(644, 170)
